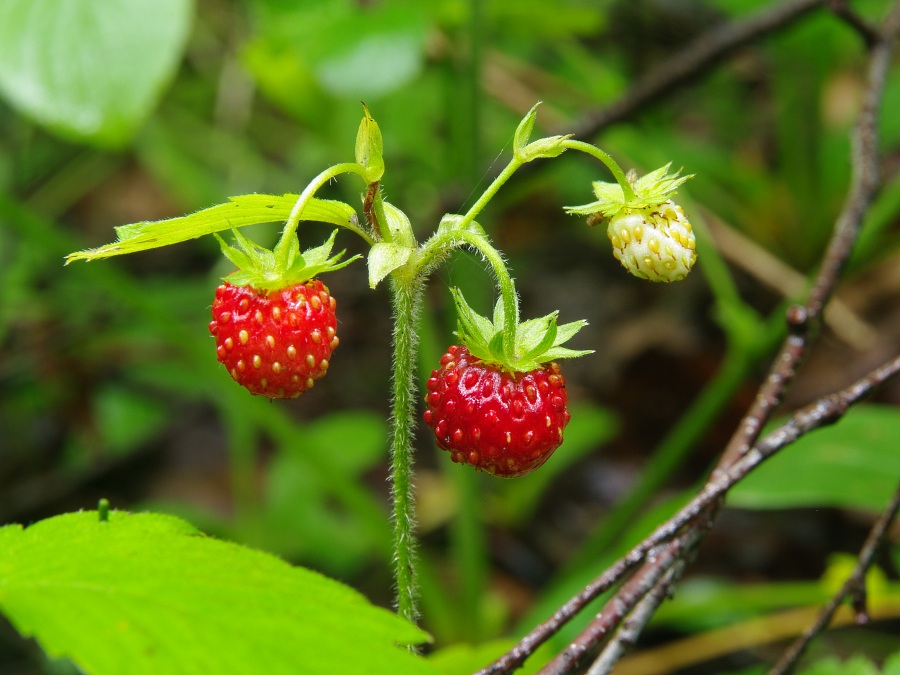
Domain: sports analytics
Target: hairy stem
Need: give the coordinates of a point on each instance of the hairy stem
(608, 161)
(290, 227)
(406, 296)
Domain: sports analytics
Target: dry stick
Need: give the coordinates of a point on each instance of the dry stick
(626, 599)
(696, 58)
(741, 455)
(854, 587)
(823, 412)
(633, 625)
(803, 321)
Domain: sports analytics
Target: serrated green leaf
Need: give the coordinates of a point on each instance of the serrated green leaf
(86, 71)
(237, 212)
(384, 258)
(851, 465)
(146, 593)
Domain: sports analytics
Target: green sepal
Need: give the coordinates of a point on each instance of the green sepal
(237, 212)
(370, 147)
(452, 222)
(398, 226)
(538, 341)
(650, 190)
(384, 258)
(286, 266)
(523, 132)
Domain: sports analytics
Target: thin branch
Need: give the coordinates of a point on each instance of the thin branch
(866, 30)
(745, 451)
(694, 60)
(657, 574)
(627, 636)
(854, 587)
(823, 412)
(803, 321)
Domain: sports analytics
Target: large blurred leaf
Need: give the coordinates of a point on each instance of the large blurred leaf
(90, 70)
(145, 593)
(311, 41)
(854, 464)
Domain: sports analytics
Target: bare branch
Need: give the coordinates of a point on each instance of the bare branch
(823, 412)
(633, 626)
(803, 321)
(854, 587)
(694, 60)
(866, 30)
(745, 451)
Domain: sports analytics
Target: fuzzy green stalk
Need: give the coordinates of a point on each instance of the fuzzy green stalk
(489, 193)
(406, 297)
(608, 161)
(507, 289)
(293, 220)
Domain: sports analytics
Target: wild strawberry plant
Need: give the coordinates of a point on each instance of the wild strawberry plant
(497, 401)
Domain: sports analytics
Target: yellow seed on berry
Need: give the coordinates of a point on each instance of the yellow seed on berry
(243, 336)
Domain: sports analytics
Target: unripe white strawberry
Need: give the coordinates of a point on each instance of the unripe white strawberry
(650, 234)
(654, 243)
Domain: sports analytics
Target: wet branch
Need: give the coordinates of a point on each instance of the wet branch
(854, 588)
(649, 569)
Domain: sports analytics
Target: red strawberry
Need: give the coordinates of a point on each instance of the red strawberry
(505, 423)
(275, 343)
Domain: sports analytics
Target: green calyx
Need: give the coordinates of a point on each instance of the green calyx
(650, 190)
(537, 341)
(285, 266)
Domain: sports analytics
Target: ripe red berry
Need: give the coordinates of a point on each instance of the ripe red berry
(275, 343)
(507, 424)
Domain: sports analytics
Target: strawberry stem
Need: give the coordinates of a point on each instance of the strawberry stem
(610, 163)
(406, 297)
(507, 290)
(293, 220)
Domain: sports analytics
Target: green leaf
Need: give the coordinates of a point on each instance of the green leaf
(851, 465)
(370, 147)
(239, 211)
(88, 71)
(384, 258)
(146, 593)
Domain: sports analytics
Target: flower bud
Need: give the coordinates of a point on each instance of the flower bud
(654, 243)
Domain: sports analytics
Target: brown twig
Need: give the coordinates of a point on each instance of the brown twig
(650, 578)
(866, 30)
(823, 412)
(631, 629)
(854, 587)
(803, 321)
(694, 60)
(745, 451)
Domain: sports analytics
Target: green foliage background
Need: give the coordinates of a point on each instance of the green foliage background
(109, 385)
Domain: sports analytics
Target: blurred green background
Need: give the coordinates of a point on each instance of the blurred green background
(109, 386)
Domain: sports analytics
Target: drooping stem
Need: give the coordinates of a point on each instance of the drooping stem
(610, 163)
(293, 220)
(406, 296)
(488, 194)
